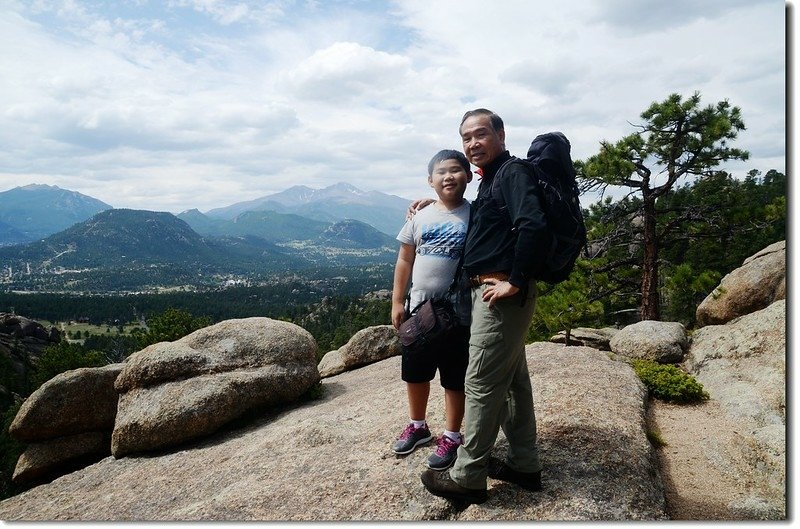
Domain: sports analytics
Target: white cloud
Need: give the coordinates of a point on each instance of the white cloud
(645, 16)
(203, 103)
(346, 71)
(227, 13)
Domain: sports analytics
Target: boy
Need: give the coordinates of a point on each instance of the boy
(432, 244)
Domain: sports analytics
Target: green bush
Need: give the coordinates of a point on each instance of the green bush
(667, 382)
(62, 357)
(171, 325)
(655, 438)
(10, 451)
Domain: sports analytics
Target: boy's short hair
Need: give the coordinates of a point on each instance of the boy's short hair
(449, 154)
(495, 120)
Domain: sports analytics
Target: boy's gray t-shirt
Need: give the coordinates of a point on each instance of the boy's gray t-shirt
(439, 236)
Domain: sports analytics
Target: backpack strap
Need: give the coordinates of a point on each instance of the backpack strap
(494, 191)
(497, 196)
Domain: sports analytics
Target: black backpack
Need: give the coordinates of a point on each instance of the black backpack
(549, 157)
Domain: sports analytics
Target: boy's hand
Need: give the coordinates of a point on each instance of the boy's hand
(398, 314)
(417, 205)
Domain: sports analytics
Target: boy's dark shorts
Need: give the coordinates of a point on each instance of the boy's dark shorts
(450, 354)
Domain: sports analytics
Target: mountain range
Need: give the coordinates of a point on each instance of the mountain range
(134, 250)
(10, 235)
(269, 225)
(35, 211)
(53, 239)
(337, 202)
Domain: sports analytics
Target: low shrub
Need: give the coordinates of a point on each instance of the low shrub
(655, 438)
(668, 382)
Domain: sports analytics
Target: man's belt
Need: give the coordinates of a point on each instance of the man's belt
(478, 280)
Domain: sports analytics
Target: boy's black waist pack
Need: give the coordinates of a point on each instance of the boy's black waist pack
(428, 322)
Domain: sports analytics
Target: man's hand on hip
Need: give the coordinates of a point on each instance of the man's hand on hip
(496, 290)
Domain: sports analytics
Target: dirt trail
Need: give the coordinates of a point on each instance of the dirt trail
(698, 484)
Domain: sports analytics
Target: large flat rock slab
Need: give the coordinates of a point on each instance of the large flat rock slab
(330, 459)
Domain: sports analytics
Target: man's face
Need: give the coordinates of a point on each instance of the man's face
(449, 180)
(481, 142)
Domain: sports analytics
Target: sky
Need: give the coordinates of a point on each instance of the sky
(171, 105)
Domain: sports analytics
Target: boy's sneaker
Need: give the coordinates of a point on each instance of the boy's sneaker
(445, 454)
(411, 438)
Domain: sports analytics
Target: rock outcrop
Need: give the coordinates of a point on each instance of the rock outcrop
(23, 340)
(173, 392)
(76, 401)
(24, 329)
(68, 420)
(664, 342)
(330, 459)
(760, 281)
(590, 337)
(367, 346)
(49, 459)
(742, 364)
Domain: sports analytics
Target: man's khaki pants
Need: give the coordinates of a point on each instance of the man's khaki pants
(498, 389)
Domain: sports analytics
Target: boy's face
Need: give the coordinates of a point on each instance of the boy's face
(449, 180)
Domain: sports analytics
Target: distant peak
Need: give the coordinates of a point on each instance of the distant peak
(344, 186)
(34, 187)
(342, 190)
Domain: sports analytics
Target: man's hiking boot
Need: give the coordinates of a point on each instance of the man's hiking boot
(411, 438)
(441, 484)
(445, 454)
(527, 480)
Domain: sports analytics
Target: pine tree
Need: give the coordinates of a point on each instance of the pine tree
(677, 139)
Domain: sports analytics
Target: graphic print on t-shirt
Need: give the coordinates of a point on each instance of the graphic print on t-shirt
(442, 240)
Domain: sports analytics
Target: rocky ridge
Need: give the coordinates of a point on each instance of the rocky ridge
(330, 459)
(22, 341)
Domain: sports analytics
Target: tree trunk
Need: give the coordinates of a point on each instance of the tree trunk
(650, 309)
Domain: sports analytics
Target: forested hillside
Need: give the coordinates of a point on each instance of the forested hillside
(705, 229)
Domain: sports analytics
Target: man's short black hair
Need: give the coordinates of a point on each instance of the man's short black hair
(494, 119)
(448, 154)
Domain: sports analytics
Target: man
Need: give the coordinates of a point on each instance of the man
(502, 251)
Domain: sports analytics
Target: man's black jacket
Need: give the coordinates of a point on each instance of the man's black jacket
(510, 239)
